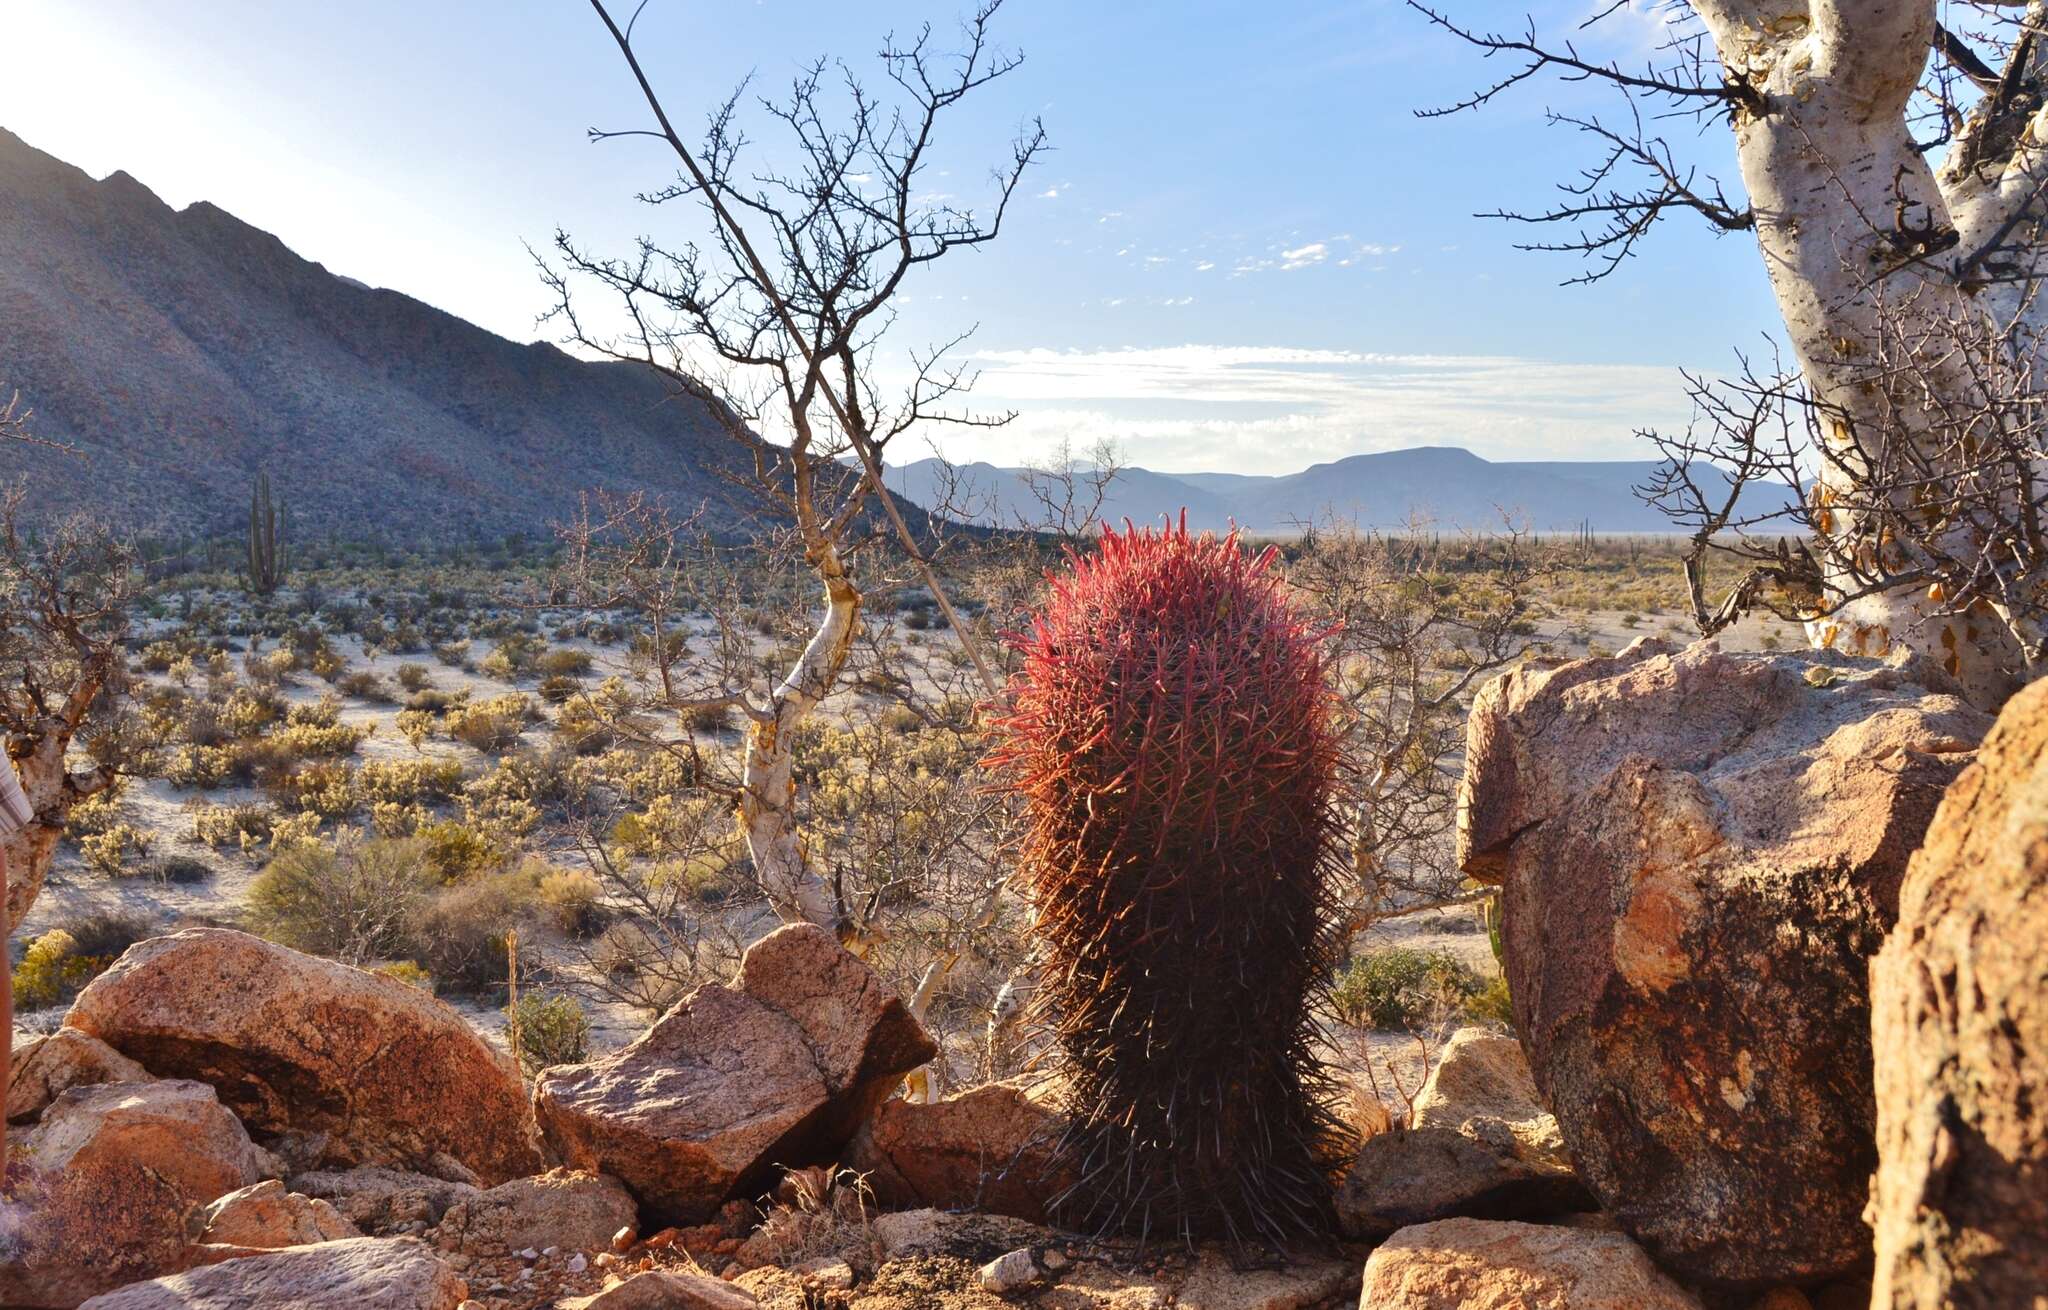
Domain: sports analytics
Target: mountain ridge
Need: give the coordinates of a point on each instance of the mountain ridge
(180, 351)
(1449, 487)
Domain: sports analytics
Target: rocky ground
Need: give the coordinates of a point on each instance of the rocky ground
(1701, 852)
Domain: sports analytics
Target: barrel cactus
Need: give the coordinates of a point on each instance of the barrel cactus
(1172, 733)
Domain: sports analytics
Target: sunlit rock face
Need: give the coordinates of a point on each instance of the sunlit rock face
(1959, 1001)
(1699, 852)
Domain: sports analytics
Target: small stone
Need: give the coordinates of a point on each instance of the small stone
(577, 1264)
(358, 1273)
(669, 1290)
(826, 1272)
(382, 1201)
(992, 1150)
(622, 1240)
(1010, 1271)
(529, 1255)
(47, 1067)
(266, 1216)
(1457, 1263)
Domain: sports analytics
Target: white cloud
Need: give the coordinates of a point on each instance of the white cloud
(1315, 252)
(1205, 266)
(1308, 255)
(1050, 193)
(1266, 409)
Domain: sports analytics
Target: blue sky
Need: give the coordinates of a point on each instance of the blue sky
(1243, 254)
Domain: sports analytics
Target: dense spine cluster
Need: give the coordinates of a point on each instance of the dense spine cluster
(1173, 734)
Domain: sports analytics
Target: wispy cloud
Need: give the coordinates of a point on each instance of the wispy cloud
(1268, 408)
(1338, 251)
(1315, 252)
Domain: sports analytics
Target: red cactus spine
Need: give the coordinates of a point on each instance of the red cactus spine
(1172, 731)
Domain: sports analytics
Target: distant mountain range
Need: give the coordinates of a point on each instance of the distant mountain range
(183, 351)
(1447, 485)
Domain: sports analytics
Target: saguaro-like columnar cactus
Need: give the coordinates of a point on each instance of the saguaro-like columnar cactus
(266, 550)
(1174, 735)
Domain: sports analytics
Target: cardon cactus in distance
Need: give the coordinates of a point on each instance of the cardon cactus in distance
(1173, 734)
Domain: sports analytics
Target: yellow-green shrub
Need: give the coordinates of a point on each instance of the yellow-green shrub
(1492, 1002)
(460, 934)
(351, 900)
(562, 663)
(112, 851)
(416, 726)
(574, 898)
(552, 1030)
(407, 972)
(97, 813)
(318, 741)
(199, 767)
(391, 819)
(1399, 987)
(51, 971)
(230, 825)
(411, 781)
(491, 726)
(247, 712)
(455, 851)
(673, 825)
(322, 713)
(288, 831)
(642, 775)
(325, 788)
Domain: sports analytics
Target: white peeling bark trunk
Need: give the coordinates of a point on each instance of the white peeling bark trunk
(1841, 196)
(51, 790)
(767, 812)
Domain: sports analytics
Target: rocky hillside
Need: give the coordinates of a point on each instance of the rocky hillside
(183, 350)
